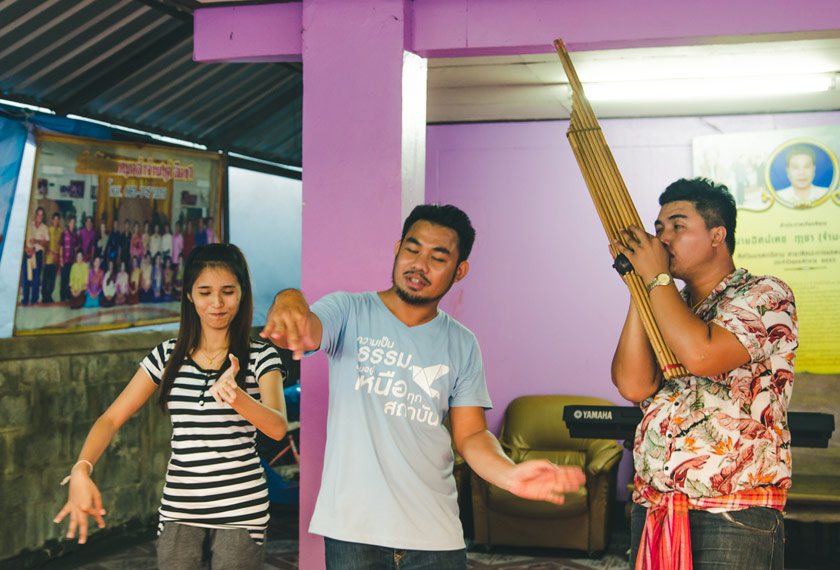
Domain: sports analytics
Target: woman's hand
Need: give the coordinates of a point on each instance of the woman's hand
(225, 388)
(83, 500)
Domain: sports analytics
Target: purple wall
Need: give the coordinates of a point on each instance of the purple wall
(541, 296)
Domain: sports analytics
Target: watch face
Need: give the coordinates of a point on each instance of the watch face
(661, 279)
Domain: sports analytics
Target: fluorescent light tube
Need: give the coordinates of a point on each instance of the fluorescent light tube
(708, 88)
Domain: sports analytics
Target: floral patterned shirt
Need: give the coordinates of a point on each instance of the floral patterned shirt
(714, 436)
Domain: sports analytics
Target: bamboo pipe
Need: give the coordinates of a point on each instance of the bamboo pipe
(612, 202)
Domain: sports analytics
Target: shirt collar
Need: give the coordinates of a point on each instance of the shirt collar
(734, 279)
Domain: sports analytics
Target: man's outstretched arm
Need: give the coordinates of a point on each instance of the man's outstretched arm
(290, 324)
(537, 479)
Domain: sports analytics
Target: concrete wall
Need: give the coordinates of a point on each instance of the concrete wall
(52, 389)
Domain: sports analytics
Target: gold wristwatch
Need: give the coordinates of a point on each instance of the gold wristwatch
(661, 279)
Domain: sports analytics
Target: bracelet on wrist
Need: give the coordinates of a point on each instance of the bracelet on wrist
(67, 479)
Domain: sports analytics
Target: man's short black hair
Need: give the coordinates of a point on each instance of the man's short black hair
(712, 201)
(798, 149)
(449, 217)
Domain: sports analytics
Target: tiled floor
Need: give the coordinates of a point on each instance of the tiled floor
(281, 549)
(282, 553)
(542, 561)
(510, 558)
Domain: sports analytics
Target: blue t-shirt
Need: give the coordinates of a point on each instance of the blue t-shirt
(387, 476)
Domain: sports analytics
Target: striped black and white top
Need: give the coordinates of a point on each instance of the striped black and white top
(214, 478)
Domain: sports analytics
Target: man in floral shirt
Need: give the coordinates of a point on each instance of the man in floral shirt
(712, 453)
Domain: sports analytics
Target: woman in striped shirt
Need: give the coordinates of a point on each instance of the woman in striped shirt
(214, 509)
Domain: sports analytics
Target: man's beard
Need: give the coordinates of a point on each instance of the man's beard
(417, 300)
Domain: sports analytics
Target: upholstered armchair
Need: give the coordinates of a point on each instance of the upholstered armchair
(533, 428)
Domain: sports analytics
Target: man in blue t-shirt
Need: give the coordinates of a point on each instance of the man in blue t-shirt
(398, 365)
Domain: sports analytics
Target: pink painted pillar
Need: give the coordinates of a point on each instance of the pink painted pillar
(354, 151)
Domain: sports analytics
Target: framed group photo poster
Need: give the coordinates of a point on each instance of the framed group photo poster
(108, 228)
(786, 185)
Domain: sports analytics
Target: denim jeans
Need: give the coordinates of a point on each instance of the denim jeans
(342, 555)
(751, 539)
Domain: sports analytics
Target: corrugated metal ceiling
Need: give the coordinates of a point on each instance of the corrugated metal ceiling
(129, 62)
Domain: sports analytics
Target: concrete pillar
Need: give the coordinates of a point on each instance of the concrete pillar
(363, 146)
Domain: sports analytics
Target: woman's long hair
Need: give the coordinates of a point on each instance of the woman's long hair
(111, 276)
(219, 256)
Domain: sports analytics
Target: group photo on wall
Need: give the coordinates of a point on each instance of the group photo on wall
(109, 226)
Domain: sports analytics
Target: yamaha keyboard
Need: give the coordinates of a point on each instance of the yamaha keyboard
(807, 429)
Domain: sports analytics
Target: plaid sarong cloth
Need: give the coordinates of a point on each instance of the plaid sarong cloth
(666, 540)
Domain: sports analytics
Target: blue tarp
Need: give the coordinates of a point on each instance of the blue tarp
(279, 490)
(12, 140)
(53, 124)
